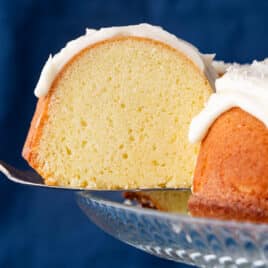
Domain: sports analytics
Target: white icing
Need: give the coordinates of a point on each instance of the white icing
(243, 86)
(221, 66)
(210, 71)
(56, 63)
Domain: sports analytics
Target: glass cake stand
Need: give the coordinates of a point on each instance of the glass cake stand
(181, 238)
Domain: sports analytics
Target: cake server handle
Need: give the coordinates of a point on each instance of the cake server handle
(32, 178)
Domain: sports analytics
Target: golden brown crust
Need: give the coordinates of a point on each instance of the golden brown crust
(30, 148)
(232, 207)
(41, 115)
(35, 131)
(231, 176)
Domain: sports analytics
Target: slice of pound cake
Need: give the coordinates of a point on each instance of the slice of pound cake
(114, 110)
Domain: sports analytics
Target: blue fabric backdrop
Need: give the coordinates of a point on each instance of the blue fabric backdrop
(45, 228)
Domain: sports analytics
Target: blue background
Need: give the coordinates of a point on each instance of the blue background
(45, 228)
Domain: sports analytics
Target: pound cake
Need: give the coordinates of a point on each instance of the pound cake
(114, 110)
(231, 176)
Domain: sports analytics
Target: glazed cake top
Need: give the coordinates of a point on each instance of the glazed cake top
(54, 64)
(243, 86)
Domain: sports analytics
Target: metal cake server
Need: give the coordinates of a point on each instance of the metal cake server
(28, 177)
(32, 178)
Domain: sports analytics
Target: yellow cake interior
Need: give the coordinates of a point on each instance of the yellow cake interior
(119, 115)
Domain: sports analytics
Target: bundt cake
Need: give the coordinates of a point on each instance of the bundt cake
(231, 175)
(114, 110)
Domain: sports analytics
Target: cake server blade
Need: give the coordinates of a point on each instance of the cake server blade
(32, 178)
